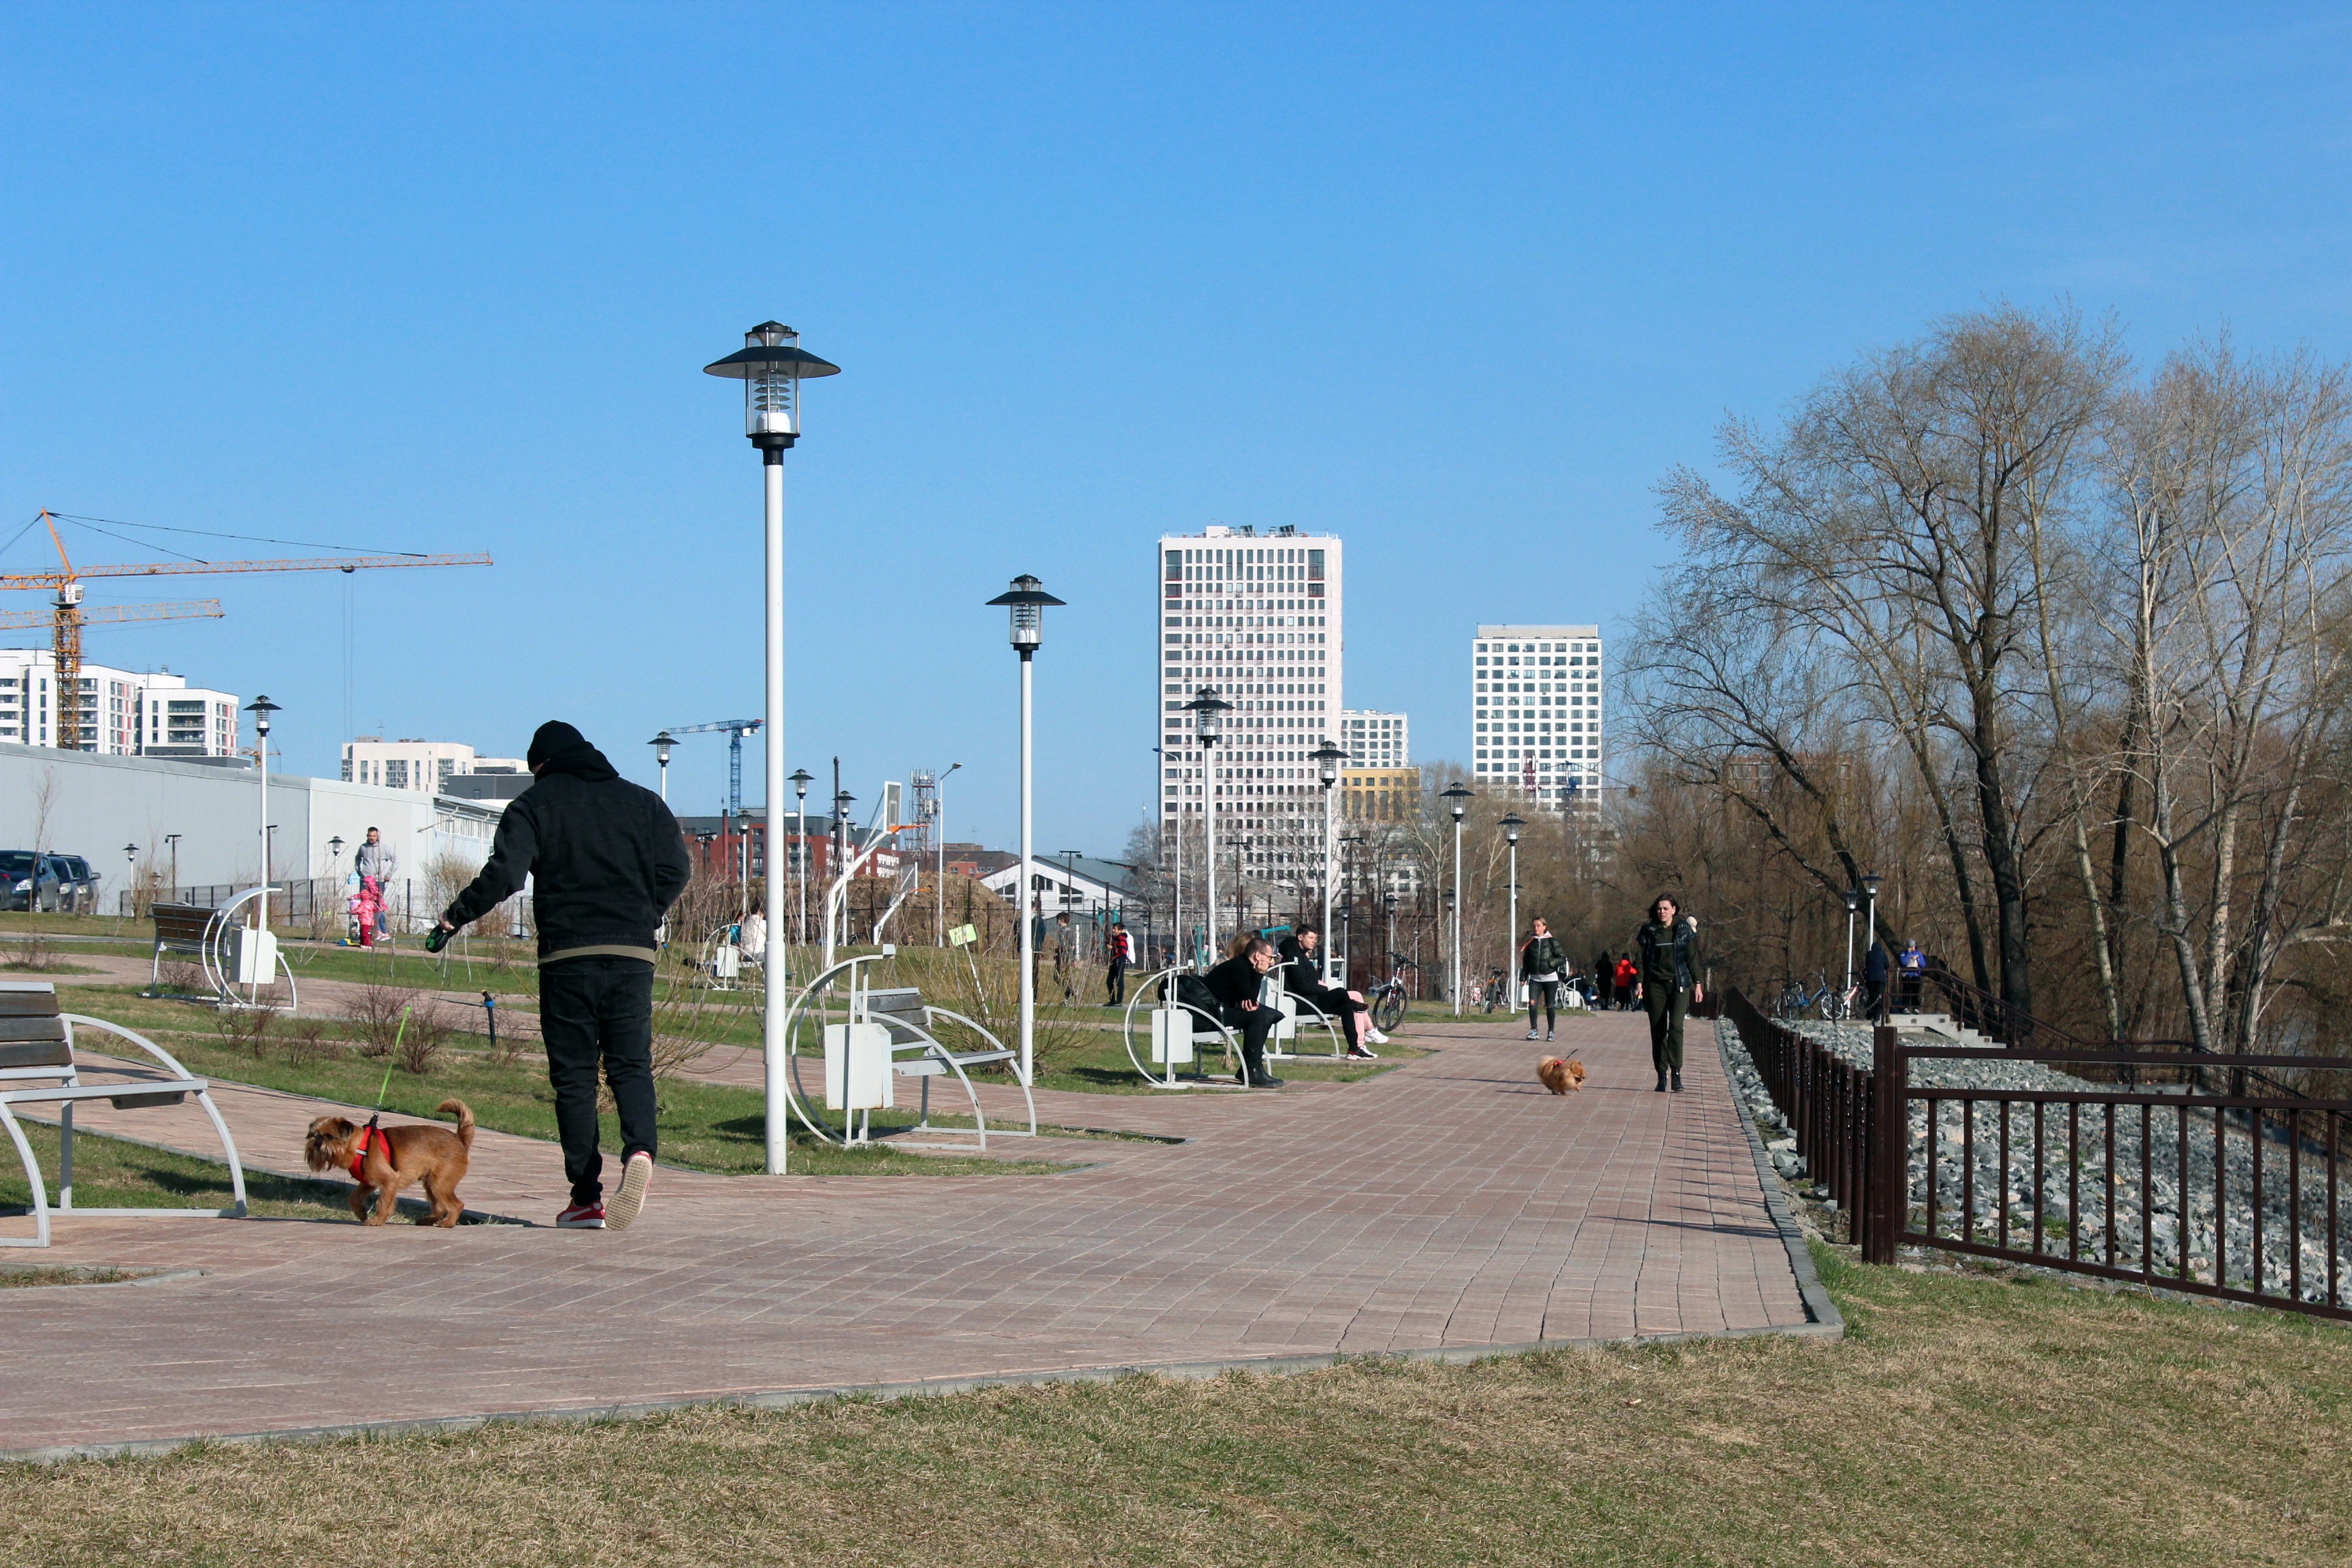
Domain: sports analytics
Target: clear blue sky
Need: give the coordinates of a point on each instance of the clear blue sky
(1459, 283)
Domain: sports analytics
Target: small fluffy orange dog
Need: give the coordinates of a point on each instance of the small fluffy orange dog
(1560, 1077)
(389, 1158)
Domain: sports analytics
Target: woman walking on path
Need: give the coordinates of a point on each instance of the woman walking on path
(1543, 964)
(1668, 982)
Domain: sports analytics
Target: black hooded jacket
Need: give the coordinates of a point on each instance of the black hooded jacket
(605, 856)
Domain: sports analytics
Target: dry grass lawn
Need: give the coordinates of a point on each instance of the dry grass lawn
(1966, 1420)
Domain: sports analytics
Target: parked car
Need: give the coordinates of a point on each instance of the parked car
(32, 882)
(79, 882)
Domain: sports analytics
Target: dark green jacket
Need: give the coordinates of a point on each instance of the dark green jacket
(1664, 957)
(1542, 955)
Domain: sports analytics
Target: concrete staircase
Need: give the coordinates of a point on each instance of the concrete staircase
(1938, 1028)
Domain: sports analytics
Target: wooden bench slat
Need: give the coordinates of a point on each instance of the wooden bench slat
(49, 1027)
(36, 1054)
(29, 1003)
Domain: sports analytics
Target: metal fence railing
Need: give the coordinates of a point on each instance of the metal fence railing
(2019, 1154)
(410, 905)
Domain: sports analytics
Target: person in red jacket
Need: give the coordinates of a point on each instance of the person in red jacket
(1628, 973)
(1121, 954)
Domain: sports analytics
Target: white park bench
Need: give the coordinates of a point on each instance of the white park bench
(37, 1067)
(886, 1034)
(1179, 1032)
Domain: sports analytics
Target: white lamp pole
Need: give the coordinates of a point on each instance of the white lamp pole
(1458, 801)
(800, 852)
(1512, 823)
(772, 366)
(940, 826)
(661, 745)
(1852, 907)
(1327, 758)
(1208, 724)
(261, 708)
(1027, 600)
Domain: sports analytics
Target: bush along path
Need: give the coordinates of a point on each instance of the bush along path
(1972, 1176)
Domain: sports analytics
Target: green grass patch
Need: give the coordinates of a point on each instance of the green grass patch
(110, 1173)
(703, 1126)
(1964, 1421)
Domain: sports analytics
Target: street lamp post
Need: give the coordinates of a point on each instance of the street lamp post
(772, 366)
(171, 842)
(1026, 600)
(661, 744)
(940, 828)
(1870, 932)
(1208, 725)
(1852, 907)
(1327, 758)
(1458, 801)
(801, 781)
(261, 708)
(1512, 823)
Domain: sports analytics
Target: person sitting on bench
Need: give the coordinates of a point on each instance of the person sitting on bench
(1302, 976)
(1237, 984)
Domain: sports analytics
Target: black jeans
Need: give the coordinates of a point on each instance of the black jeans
(592, 1009)
(1543, 992)
(1115, 982)
(1666, 1005)
(1332, 1000)
(1254, 1025)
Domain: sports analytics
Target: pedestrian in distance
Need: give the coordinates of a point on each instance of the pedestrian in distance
(1121, 954)
(1628, 983)
(606, 861)
(1913, 963)
(1603, 976)
(1668, 983)
(375, 860)
(1874, 979)
(1302, 976)
(751, 938)
(1245, 997)
(1066, 950)
(1543, 965)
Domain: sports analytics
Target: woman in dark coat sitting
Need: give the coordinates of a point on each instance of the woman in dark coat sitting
(1240, 986)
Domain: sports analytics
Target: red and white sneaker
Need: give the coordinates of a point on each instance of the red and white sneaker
(636, 1176)
(582, 1216)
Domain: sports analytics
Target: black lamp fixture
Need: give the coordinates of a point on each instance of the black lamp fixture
(1511, 825)
(1328, 760)
(772, 366)
(1028, 599)
(1456, 798)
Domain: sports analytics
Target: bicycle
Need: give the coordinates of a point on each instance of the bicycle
(1387, 1000)
(1828, 1003)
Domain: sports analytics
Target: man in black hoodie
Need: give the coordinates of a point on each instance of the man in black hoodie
(606, 860)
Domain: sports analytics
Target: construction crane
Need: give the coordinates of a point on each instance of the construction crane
(734, 729)
(118, 615)
(68, 617)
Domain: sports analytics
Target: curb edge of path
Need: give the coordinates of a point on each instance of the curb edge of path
(1819, 1306)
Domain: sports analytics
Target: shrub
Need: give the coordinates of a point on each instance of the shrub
(423, 1039)
(374, 1012)
(245, 1029)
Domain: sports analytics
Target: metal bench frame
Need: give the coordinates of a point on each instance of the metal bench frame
(1216, 1029)
(912, 1025)
(210, 947)
(29, 1062)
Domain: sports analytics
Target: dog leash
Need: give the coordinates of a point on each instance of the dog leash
(386, 1087)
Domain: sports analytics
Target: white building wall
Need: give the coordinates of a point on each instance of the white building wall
(419, 766)
(1537, 713)
(124, 712)
(1259, 617)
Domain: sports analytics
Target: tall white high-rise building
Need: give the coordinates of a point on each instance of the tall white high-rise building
(1375, 739)
(1256, 617)
(1536, 711)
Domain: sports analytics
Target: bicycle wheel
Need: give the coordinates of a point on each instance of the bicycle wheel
(1388, 1010)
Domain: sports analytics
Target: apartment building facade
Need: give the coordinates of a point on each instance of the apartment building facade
(1537, 713)
(1257, 619)
(124, 712)
(1375, 739)
(424, 766)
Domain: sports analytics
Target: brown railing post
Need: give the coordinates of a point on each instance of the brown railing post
(1890, 1154)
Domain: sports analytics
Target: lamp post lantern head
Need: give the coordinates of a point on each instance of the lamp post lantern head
(1870, 884)
(1512, 823)
(661, 745)
(1028, 599)
(335, 846)
(1206, 708)
(772, 366)
(800, 781)
(1456, 799)
(1852, 903)
(261, 708)
(1327, 758)
(131, 853)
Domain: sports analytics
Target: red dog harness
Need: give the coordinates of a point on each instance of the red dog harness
(382, 1141)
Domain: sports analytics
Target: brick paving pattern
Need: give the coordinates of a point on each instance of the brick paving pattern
(1449, 1204)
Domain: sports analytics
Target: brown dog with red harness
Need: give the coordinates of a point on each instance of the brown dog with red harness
(384, 1160)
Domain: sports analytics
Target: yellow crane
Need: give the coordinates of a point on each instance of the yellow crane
(68, 617)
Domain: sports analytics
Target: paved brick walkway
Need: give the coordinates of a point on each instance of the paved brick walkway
(1449, 1204)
